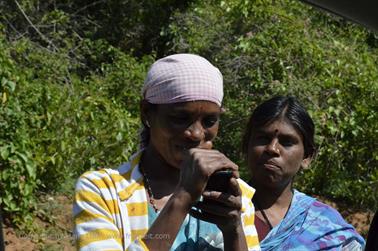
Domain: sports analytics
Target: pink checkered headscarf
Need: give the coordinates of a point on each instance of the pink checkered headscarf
(182, 78)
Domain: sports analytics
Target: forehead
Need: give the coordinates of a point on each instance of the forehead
(280, 126)
(192, 107)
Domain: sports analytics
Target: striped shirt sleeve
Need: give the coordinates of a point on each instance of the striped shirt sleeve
(248, 216)
(97, 215)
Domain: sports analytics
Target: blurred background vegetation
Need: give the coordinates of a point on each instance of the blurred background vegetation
(71, 74)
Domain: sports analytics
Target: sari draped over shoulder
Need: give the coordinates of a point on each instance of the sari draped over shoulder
(312, 225)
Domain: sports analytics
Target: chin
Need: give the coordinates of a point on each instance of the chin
(174, 163)
(267, 181)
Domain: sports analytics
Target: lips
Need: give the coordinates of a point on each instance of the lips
(271, 165)
(185, 147)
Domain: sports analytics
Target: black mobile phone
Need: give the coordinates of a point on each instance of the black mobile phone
(219, 181)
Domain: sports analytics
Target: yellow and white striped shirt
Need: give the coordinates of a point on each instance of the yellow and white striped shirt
(111, 210)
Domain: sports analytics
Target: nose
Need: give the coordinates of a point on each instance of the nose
(195, 131)
(273, 147)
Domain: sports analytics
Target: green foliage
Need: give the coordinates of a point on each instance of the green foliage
(18, 171)
(56, 125)
(134, 26)
(71, 74)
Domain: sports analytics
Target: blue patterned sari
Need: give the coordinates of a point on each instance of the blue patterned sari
(312, 225)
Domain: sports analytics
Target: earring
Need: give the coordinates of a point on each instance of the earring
(147, 124)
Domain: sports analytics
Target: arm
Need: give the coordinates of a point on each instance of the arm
(195, 171)
(168, 222)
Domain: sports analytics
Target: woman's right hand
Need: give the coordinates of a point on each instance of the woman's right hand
(197, 167)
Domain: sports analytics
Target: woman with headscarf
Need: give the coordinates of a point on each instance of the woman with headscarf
(278, 142)
(158, 201)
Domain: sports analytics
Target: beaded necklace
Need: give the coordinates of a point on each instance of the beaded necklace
(149, 190)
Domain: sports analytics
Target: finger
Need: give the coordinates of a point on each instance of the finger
(213, 195)
(235, 173)
(208, 145)
(203, 148)
(213, 160)
(221, 162)
(220, 209)
(206, 216)
(234, 187)
(218, 198)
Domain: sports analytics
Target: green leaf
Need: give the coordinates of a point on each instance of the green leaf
(4, 152)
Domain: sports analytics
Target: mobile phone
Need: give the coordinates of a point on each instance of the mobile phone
(219, 181)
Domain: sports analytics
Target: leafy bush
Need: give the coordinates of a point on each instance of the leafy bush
(18, 171)
(55, 125)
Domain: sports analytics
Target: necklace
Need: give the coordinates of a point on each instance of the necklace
(149, 190)
(264, 215)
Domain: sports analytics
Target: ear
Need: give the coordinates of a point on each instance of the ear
(306, 162)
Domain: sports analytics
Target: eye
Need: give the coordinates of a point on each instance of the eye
(179, 119)
(262, 139)
(287, 141)
(210, 121)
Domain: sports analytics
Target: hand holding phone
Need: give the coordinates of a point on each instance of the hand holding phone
(219, 181)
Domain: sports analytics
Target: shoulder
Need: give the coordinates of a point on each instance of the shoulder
(316, 208)
(320, 225)
(329, 223)
(107, 178)
(121, 182)
(103, 178)
(326, 211)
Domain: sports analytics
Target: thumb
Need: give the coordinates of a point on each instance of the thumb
(207, 145)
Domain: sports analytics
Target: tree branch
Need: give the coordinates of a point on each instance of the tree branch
(89, 5)
(35, 28)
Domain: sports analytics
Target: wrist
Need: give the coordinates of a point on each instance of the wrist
(233, 229)
(182, 200)
(234, 239)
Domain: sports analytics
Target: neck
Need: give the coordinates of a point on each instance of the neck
(163, 178)
(267, 198)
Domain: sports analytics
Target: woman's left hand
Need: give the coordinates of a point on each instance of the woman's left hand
(222, 209)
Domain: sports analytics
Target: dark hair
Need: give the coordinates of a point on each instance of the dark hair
(144, 131)
(283, 107)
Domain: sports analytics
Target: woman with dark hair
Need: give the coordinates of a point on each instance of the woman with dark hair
(278, 142)
(158, 201)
